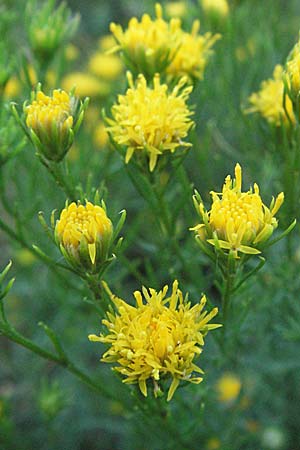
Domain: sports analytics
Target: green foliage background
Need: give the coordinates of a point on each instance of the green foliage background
(43, 407)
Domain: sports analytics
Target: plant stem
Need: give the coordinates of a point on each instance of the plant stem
(55, 169)
(13, 335)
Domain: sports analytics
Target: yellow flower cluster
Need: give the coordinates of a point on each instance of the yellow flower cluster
(150, 120)
(270, 100)
(228, 387)
(46, 111)
(83, 233)
(215, 7)
(152, 46)
(238, 221)
(148, 46)
(193, 53)
(156, 340)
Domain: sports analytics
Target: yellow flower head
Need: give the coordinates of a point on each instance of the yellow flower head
(269, 101)
(105, 66)
(193, 53)
(156, 339)
(228, 387)
(293, 71)
(149, 120)
(44, 111)
(238, 221)
(84, 235)
(148, 46)
(50, 120)
(215, 7)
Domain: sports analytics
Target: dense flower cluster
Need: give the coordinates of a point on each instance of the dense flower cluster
(271, 102)
(151, 120)
(193, 53)
(238, 221)
(148, 46)
(84, 234)
(156, 339)
(154, 46)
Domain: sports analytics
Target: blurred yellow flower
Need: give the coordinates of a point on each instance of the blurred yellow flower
(215, 7)
(25, 257)
(176, 9)
(101, 138)
(193, 53)
(157, 339)
(269, 100)
(213, 444)
(83, 234)
(148, 46)
(12, 88)
(151, 121)
(105, 66)
(238, 221)
(106, 42)
(71, 52)
(85, 84)
(228, 387)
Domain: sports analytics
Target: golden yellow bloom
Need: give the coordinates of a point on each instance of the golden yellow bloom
(215, 7)
(84, 235)
(148, 46)
(157, 339)
(238, 221)
(268, 101)
(85, 85)
(193, 53)
(228, 387)
(50, 120)
(151, 121)
(105, 66)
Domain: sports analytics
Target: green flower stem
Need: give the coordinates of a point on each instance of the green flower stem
(228, 288)
(7, 330)
(55, 169)
(32, 249)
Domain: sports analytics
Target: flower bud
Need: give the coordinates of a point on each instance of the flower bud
(84, 235)
(238, 222)
(52, 122)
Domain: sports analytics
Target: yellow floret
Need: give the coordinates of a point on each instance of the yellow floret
(269, 100)
(159, 337)
(238, 221)
(78, 223)
(193, 54)
(151, 120)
